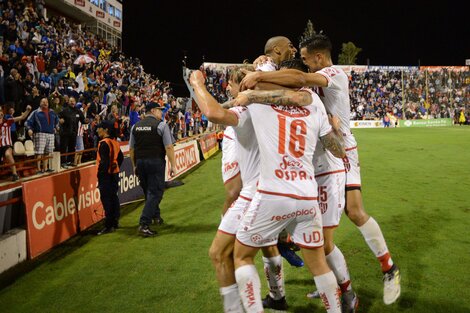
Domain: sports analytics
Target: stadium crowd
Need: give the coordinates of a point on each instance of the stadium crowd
(375, 94)
(69, 65)
(438, 94)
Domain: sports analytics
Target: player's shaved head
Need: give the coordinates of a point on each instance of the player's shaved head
(272, 43)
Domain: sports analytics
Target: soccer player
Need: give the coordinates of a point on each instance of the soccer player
(332, 87)
(247, 157)
(287, 192)
(330, 174)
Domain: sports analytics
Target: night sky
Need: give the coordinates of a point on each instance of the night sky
(390, 33)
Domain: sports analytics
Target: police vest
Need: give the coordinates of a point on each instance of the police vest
(113, 154)
(147, 142)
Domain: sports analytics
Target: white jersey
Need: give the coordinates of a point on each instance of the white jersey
(287, 137)
(324, 162)
(230, 167)
(247, 156)
(336, 99)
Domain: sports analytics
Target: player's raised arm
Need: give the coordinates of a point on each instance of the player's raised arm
(208, 104)
(288, 78)
(277, 97)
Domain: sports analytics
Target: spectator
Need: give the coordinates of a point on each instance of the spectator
(42, 124)
(6, 151)
(69, 118)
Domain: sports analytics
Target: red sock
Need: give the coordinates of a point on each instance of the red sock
(385, 262)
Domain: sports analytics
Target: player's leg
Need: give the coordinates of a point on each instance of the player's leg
(273, 269)
(248, 281)
(337, 263)
(10, 160)
(307, 234)
(232, 187)
(324, 278)
(221, 254)
(370, 230)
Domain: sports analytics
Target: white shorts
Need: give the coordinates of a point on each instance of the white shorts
(234, 215)
(230, 167)
(331, 197)
(268, 215)
(353, 177)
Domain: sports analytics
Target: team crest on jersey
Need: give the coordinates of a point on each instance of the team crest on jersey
(291, 111)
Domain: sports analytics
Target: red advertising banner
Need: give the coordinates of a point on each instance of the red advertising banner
(59, 206)
(80, 3)
(209, 144)
(99, 14)
(116, 24)
(186, 157)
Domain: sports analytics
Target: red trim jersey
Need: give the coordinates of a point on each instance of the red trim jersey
(287, 137)
(335, 97)
(5, 130)
(248, 156)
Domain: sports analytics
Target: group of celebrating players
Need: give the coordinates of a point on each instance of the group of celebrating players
(290, 163)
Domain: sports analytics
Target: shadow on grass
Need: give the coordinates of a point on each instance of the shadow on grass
(59, 252)
(170, 229)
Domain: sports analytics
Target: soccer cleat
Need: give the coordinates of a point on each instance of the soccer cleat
(313, 295)
(106, 230)
(270, 303)
(349, 302)
(392, 287)
(290, 256)
(145, 231)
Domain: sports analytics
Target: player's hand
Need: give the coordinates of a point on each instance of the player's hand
(28, 108)
(347, 165)
(197, 79)
(262, 59)
(249, 81)
(62, 121)
(30, 132)
(242, 99)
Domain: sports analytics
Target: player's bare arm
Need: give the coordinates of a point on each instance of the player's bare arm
(277, 97)
(331, 142)
(288, 78)
(208, 105)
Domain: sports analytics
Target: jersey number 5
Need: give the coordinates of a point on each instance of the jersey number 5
(297, 134)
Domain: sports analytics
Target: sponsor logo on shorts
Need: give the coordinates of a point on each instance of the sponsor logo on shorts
(294, 214)
(258, 239)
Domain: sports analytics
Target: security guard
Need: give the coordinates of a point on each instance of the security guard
(109, 159)
(149, 142)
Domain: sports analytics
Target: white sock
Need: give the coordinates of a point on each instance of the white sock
(329, 292)
(337, 263)
(275, 276)
(374, 237)
(249, 287)
(231, 299)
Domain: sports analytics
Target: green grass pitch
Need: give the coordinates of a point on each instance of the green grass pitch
(416, 184)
